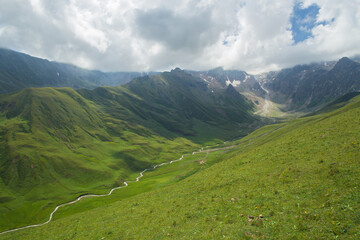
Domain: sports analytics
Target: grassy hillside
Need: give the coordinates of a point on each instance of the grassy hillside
(337, 103)
(296, 180)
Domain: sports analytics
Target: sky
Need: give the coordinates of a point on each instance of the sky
(157, 35)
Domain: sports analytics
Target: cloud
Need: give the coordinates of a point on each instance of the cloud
(126, 35)
(177, 31)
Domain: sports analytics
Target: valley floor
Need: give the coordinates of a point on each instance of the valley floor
(126, 184)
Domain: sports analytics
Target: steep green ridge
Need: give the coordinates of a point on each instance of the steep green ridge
(296, 180)
(59, 143)
(18, 71)
(176, 102)
(337, 103)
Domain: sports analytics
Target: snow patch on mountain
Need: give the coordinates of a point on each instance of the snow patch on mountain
(234, 83)
(246, 77)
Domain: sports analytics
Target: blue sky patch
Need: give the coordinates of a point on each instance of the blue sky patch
(303, 20)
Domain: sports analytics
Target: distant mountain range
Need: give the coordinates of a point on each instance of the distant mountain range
(301, 88)
(18, 71)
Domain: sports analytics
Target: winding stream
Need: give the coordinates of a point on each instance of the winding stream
(126, 183)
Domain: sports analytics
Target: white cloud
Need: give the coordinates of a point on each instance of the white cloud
(37, 6)
(159, 34)
(85, 24)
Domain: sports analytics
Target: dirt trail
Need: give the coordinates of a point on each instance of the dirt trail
(266, 107)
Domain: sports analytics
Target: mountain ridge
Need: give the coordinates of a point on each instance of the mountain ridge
(19, 70)
(311, 86)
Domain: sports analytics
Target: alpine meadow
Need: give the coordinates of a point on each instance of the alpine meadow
(143, 123)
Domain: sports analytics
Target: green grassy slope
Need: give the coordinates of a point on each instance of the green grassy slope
(177, 103)
(337, 103)
(297, 180)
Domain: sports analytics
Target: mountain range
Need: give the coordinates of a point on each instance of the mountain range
(301, 88)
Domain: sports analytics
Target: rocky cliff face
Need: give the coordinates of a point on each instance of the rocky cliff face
(309, 86)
